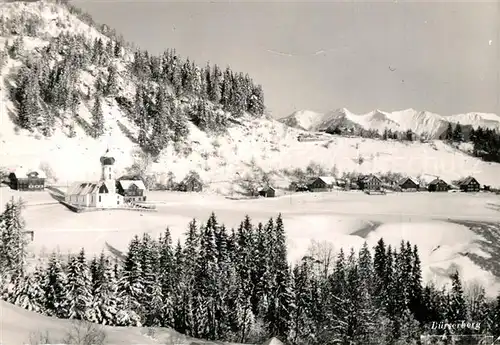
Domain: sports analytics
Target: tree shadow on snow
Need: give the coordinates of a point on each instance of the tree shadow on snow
(490, 244)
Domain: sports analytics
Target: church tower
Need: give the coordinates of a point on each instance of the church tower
(107, 172)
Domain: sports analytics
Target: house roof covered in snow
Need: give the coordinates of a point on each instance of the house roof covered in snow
(83, 188)
(466, 181)
(23, 172)
(403, 180)
(437, 181)
(125, 184)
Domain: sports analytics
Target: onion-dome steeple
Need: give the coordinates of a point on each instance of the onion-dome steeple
(107, 159)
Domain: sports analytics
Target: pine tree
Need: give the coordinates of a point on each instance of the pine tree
(12, 242)
(29, 292)
(304, 326)
(281, 302)
(167, 278)
(457, 310)
(97, 118)
(112, 81)
(105, 291)
(130, 285)
(56, 294)
(79, 289)
(448, 135)
(457, 134)
(496, 318)
(415, 288)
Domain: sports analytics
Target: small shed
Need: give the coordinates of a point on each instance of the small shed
(408, 185)
(469, 185)
(267, 192)
(27, 180)
(438, 185)
(191, 184)
(321, 184)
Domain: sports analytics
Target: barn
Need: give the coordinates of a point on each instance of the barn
(438, 185)
(131, 190)
(27, 180)
(321, 184)
(408, 185)
(370, 182)
(469, 185)
(267, 192)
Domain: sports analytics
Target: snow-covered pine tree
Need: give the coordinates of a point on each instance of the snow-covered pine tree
(97, 117)
(12, 242)
(206, 279)
(29, 293)
(167, 277)
(105, 302)
(79, 296)
(215, 89)
(130, 284)
(112, 81)
(415, 286)
(27, 95)
(457, 310)
(495, 317)
(56, 293)
(304, 325)
(281, 301)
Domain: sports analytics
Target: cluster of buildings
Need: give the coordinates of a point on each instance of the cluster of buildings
(107, 192)
(372, 182)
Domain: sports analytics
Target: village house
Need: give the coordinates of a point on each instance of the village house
(408, 185)
(101, 194)
(469, 185)
(370, 182)
(438, 185)
(321, 184)
(27, 180)
(191, 184)
(267, 192)
(131, 190)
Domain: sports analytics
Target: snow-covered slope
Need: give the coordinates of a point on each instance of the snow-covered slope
(219, 159)
(420, 122)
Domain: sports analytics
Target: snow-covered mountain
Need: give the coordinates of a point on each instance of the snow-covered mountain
(420, 122)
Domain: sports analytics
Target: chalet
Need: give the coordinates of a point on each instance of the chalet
(321, 184)
(370, 182)
(191, 184)
(267, 192)
(408, 185)
(438, 185)
(131, 190)
(469, 184)
(101, 194)
(27, 180)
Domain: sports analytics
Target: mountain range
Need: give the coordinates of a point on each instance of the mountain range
(420, 122)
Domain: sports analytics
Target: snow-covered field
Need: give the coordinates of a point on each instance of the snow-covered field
(345, 219)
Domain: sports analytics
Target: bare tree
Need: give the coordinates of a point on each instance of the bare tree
(85, 333)
(323, 253)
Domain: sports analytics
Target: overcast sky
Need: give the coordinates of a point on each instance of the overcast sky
(441, 57)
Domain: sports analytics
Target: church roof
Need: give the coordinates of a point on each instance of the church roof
(83, 188)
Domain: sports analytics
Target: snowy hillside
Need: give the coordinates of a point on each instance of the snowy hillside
(420, 122)
(220, 158)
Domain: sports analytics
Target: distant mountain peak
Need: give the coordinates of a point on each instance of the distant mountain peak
(418, 121)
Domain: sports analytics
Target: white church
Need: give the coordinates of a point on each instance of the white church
(102, 194)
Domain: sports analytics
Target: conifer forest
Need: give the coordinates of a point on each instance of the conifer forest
(237, 285)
